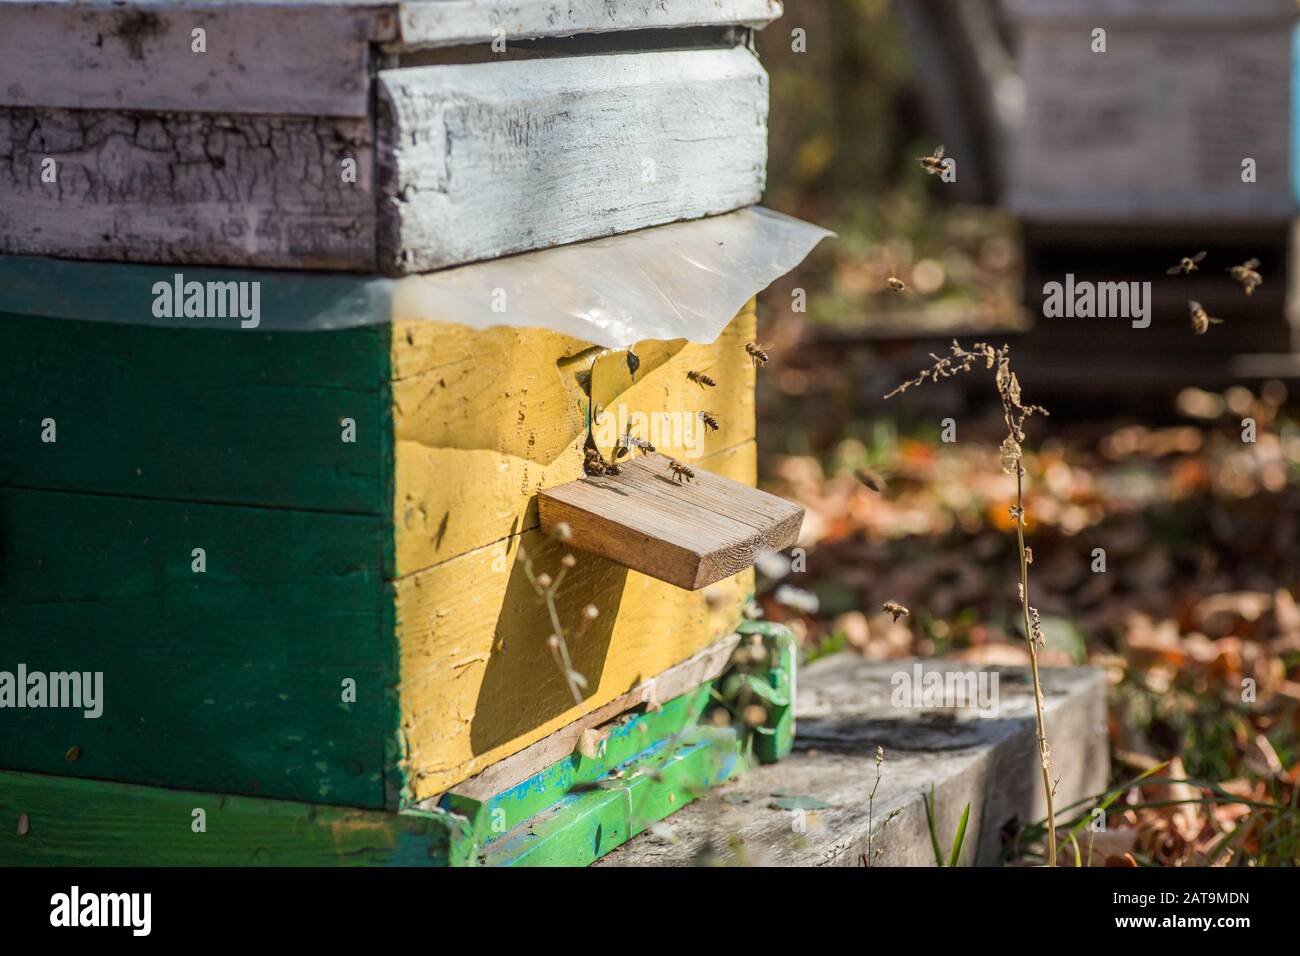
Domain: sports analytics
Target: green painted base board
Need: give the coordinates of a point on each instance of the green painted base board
(650, 764)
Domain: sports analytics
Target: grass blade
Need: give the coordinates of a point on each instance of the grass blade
(960, 837)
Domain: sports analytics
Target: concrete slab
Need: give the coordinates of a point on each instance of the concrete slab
(846, 707)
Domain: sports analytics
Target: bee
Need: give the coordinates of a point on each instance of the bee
(932, 164)
(868, 479)
(1246, 275)
(709, 420)
(895, 283)
(1201, 320)
(1185, 265)
(629, 443)
(894, 608)
(756, 354)
(595, 465)
(680, 472)
(633, 363)
(700, 379)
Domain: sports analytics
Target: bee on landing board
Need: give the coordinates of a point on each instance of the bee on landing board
(932, 164)
(680, 472)
(595, 465)
(709, 420)
(629, 443)
(700, 379)
(1246, 275)
(756, 354)
(1186, 265)
(1201, 320)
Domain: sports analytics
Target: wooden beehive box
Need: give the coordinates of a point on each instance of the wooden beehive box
(295, 556)
(375, 136)
(391, 560)
(1154, 130)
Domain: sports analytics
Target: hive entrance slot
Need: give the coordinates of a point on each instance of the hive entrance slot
(690, 533)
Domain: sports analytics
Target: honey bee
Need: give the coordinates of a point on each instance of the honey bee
(709, 420)
(595, 465)
(629, 442)
(932, 164)
(633, 363)
(756, 354)
(1246, 275)
(896, 609)
(680, 472)
(700, 379)
(1201, 320)
(868, 479)
(895, 283)
(1185, 265)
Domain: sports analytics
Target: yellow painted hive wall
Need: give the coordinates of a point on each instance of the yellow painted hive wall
(482, 421)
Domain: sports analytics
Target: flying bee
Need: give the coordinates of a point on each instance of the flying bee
(629, 442)
(700, 379)
(756, 354)
(1201, 320)
(896, 284)
(869, 479)
(1246, 275)
(932, 164)
(680, 472)
(896, 609)
(709, 420)
(1186, 265)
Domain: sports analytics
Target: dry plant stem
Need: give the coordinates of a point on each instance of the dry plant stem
(1033, 666)
(560, 650)
(1014, 413)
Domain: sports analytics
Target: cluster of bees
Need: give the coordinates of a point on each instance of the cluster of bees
(595, 464)
(1245, 273)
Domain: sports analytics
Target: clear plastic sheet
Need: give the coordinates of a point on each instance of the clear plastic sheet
(684, 280)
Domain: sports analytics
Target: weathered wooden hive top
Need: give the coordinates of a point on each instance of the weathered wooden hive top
(297, 57)
(391, 137)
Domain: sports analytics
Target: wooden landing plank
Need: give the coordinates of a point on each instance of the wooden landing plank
(486, 159)
(690, 534)
(93, 823)
(228, 680)
(240, 417)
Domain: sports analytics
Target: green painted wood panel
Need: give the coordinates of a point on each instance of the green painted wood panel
(228, 680)
(91, 823)
(238, 416)
(588, 823)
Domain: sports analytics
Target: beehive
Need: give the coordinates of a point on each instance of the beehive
(1144, 112)
(292, 544)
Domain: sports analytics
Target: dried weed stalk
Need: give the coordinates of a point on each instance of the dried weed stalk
(1014, 414)
(547, 588)
(873, 852)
